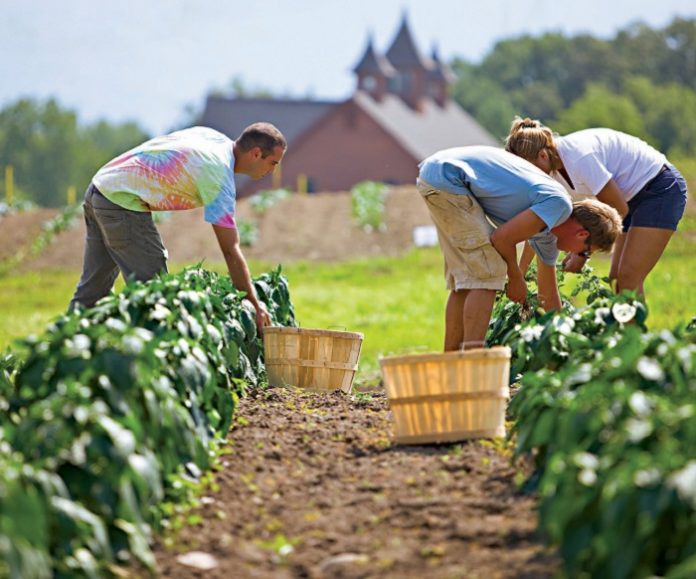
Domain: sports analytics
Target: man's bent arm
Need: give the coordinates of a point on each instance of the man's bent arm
(228, 239)
(548, 286)
(505, 239)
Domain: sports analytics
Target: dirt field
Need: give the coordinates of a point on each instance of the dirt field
(309, 227)
(315, 227)
(314, 488)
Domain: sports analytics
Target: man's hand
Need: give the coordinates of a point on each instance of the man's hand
(573, 263)
(263, 318)
(517, 290)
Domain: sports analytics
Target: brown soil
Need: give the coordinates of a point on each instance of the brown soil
(20, 230)
(318, 471)
(302, 227)
(316, 227)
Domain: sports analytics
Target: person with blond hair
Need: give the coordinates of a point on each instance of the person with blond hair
(483, 202)
(190, 168)
(620, 170)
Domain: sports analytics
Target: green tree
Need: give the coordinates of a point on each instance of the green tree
(640, 50)
(543, 76)
(483, 98)
(50, 152)
(40, 141)
(600, 107)
(539, 100)
(100, 143)
(669, 114)
(680, 66)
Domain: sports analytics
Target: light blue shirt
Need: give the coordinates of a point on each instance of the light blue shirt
(504, 185)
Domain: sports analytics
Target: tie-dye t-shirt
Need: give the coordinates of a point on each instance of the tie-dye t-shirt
(185, 169)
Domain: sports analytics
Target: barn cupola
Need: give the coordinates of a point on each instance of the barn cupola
(440, 77)
(411, 71)
(373, 72)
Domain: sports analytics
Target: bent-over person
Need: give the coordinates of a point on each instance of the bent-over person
(194, 167)
(484, 201)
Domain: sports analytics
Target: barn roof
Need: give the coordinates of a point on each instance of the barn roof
(371, 62)
(432, 129)
(403, 52)
(293, 117)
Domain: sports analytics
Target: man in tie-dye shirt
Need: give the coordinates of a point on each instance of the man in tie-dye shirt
(189, 168)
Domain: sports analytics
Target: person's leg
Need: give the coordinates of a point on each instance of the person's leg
(478, 308)
(467, 316)
(132, 240)
(472, 265)
(616, 255)
(143, 255)
(454, 320)
(641, 251)
(99, 271)
(653, 216)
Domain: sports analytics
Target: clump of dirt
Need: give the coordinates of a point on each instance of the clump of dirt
(314, 488)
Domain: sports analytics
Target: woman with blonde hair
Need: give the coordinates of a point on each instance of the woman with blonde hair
(620, 170)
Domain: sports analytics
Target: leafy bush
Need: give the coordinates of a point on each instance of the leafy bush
(264, 200)
(248, 232)
(614, 441)
(367, 199)
(541, 340)
(115, 404)
(606, 410)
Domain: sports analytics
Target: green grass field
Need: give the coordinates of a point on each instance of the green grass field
(398, 303)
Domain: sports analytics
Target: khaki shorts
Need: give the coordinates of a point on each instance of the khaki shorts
(471, 262)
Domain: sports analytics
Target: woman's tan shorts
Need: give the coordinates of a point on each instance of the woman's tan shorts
(471, 262)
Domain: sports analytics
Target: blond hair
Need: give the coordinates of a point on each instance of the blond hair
(602, 222)
(527, 137)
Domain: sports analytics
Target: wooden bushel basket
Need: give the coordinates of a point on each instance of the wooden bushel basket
(448, 397)
(313, 359)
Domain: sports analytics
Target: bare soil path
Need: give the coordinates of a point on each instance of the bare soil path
(314, 488)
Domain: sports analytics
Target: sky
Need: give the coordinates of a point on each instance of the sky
(150, 61)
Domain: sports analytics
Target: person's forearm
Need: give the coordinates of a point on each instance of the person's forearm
(240, 275)
(509, 254)
(527, 257)
(549, 295)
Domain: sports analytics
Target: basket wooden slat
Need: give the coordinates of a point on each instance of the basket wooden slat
(449, 396)
(311, 358)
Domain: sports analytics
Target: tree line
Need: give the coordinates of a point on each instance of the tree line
(49, 151)
(641, 81)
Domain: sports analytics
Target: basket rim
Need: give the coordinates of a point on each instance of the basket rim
(496, 352)
(311, 332)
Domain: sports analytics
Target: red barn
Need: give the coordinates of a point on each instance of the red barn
(399, 114)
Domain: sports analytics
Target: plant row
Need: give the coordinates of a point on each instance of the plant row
(367, 204)
(607, 410)
(117, 411)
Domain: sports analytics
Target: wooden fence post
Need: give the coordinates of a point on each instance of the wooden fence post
(302, 183)
(9, 184)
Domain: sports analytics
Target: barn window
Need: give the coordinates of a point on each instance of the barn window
(369, 83)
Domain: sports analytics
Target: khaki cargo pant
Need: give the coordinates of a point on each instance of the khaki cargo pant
(471, 262)
(117, 239)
